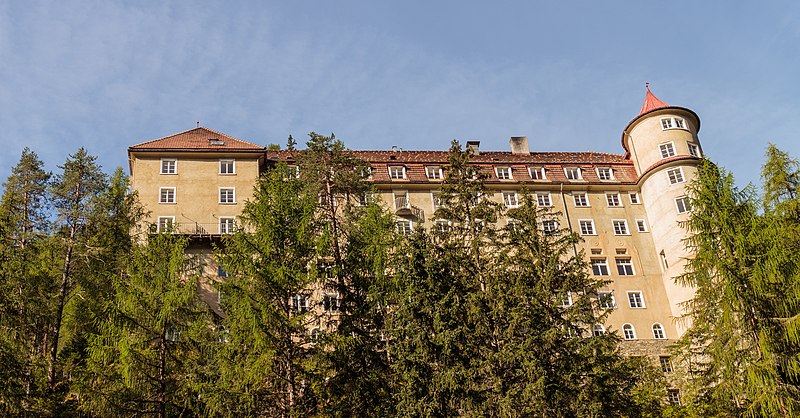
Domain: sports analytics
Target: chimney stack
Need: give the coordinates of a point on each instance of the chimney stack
(473, 147)
(519, 145)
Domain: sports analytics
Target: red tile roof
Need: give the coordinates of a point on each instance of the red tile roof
(651, 102)
(198, 139)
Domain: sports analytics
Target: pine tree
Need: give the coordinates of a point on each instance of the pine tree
(145, 357)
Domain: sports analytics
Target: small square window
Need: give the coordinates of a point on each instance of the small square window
(635, 299)
(666, 364)
(227, 196)
(543, 199)
(683, 205)
(694, 150)
(503, 173)
(606, 300)
(227, 167)
(227, 225)
(599, 267)
(624, 266)
(620, 227)
(397, 172)
(605, 173)
(634, 198)
(573, 173)
(510, 199)
(586, 226)
(404, 227)
(166, 195)
(597, 251)
(641, 225)
(675, 175)
(166, 223)
(581, 200)
(537, 173)
(169, 166)
(667, 150)
(613, 200)
(674, 396)
(434, 172)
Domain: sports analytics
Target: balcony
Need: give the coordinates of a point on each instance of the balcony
(404, 208)
(194, 229)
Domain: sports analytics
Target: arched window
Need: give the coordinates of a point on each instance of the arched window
(628, 332)
(658, 332)
(598, 330)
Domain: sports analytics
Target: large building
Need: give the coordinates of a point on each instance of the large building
(627, 207)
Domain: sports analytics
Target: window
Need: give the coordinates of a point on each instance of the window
(397, 172)
(573, 173)
(694, 149)
(566, 300)
(664, 259)
(299, 303)
(667, 150)
(587, 226)
(624, 266)
(433, 172)
(403, 227)
(658, 332)
(683, 205)
(613, 199)
(580, 200)
(606, 300)
(674, 396)
(537, 173)
(635, 299)
(620, 227)
(675, 175)
(166, 195)
(673, 123)
(227, 167)
(543, 199)
(599, 267)
(331, 302)
(437, 201)
(169, 166)
(628, 332)
(503, 173)
(442, 225)
(510, 199)
(666, 364)
(401, 200)
(165, 223)
(294, 169)
(641, 226)
(605, 173)
(634, 198)
(227, 225)
(227, 196)
(598, 330)
(364, 198)
(549, 226)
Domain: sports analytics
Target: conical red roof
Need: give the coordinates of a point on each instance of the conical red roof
(651, 102)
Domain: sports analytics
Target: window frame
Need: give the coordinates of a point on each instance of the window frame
(626, 328)
(675, 175)
(598, 330)
(170, 226)
(660, 329)
(327, 299)
(694, 149)
(581, 223)
(634, 198)
(549, 230)
(543, 197)
(667, 149)
(231, 195)
(675, 122)
(641, 225)
(510, 171)
(666, 364)
(682, 204)
(227, 225)
(602, 264)
(174, 162)
(606, 299)
(403, 230)
(616, 199)
(573, 173)
(568, 300)
(436, 201)
(620, 227)
(299, 303)
(174, 195)
(639, 302)
(434, 172)
(541, 173)
(224, 162)
(607, 172)
(584, 199)
(402, 172)
(510, 199)
(622, 266)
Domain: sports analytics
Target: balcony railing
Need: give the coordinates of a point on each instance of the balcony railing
(402, 207)
(194, 228)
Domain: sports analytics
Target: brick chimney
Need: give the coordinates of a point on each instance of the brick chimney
(519, 145)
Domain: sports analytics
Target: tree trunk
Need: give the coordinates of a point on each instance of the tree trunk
(62, 297)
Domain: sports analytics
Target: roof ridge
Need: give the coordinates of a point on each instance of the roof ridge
(197, 129)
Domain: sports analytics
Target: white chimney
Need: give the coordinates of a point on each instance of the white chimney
(473, 147)
(519, 145)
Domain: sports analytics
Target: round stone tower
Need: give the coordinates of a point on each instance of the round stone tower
(663, 145)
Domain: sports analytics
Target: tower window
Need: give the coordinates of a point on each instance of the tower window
(675, 175)
(683, 205)
(694, 149)
(641, 225)
(667, 150)
(673, 123)
(634, 198)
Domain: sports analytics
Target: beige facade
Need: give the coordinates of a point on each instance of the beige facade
(627, 207)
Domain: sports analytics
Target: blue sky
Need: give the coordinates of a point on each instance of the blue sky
(570, 75)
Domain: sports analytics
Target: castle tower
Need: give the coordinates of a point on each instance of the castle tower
(663, 145)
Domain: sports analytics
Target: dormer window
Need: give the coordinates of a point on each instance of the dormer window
(215, 141)
(573, 173)
(397, 172)
(434, 172)
(537, 173)
(169, 166)
(503, 173)
(673, 123)
(605, 173)
(667, 150)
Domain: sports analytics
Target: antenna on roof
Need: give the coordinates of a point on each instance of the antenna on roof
(647, 85)
(198, 123)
